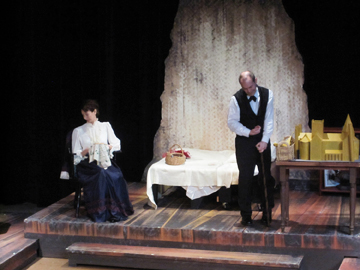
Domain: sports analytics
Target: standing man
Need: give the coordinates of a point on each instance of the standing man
(251, 117)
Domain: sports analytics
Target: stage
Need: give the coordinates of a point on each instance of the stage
(318, 227)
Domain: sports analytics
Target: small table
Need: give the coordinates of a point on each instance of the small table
(285, 166)
(204, 173)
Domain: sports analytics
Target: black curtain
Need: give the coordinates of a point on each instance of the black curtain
(328, 38)
(62, 52)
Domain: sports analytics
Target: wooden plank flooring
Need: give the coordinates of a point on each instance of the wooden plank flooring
(16, 251)
(316, 222)
(175, 258)
(350, 264)
(318, 228)
(63, 264)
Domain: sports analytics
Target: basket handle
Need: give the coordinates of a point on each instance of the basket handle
(178, 146)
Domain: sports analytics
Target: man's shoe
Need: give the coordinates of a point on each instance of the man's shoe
(265, 220)
(246, 221)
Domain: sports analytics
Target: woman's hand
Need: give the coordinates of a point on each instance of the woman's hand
(85, 152)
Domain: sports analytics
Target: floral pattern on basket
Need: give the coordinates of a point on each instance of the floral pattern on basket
(186, 153)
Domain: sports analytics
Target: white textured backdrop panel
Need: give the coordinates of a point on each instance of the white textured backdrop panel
(213, 41)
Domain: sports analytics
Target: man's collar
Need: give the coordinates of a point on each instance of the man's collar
(256, 93)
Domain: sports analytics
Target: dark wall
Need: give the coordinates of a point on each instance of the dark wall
(61, 52)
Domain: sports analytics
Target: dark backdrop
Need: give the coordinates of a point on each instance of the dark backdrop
(61, 52)
(327, 34)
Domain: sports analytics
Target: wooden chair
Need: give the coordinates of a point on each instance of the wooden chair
(69, 167)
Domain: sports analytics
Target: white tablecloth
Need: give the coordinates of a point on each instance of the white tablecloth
(204, 173)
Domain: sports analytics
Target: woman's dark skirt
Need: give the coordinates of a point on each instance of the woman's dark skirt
(105, 192)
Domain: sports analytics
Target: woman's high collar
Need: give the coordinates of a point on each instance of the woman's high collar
(93, 124)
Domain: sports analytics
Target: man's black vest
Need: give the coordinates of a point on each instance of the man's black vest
(247, 117)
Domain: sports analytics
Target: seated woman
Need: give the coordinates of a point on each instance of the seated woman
(105, 190)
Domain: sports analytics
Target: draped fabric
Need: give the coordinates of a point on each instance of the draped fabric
(213, 41)
(105, 192)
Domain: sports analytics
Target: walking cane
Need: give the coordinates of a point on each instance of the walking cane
(265, 191)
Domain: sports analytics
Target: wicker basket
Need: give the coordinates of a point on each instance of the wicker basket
(285, 152)
(173, 158)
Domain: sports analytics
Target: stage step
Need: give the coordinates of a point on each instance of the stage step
(175, 258)
(17, 252)
(350, 264)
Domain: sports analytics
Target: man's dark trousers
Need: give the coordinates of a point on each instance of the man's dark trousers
(247, 157)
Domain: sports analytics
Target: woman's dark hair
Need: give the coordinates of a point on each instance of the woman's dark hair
(91, 105)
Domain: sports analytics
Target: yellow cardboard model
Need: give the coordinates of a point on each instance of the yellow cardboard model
(318, 145)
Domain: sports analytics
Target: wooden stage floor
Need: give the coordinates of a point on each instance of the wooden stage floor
(318, 226)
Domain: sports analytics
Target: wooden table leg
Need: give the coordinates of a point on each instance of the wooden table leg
(321, 181)
(287, 198)
(283, 199)
(352, 199)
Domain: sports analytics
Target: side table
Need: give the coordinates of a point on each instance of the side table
(285, 166)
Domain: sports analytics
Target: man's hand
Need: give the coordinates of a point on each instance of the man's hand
(261, 146)
(256, 130)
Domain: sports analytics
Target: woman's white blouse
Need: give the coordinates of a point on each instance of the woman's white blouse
(87, 135)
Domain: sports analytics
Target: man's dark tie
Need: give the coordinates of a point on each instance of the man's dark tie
(252, 98)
